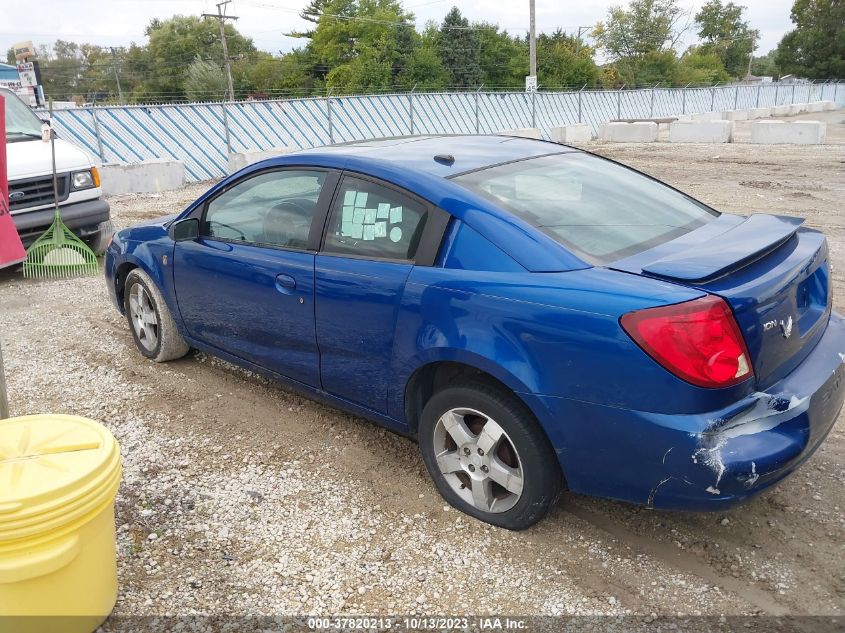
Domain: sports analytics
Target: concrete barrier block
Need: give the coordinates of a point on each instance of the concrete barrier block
(575, 133)
(148, 176)
(794, 133)
(523, 132)
(239, 160)
(759, 113)
(639, 132)
(828, 105)
(735, 115)
(796, 108)
(782, 110)
(701, 132)
(706, 116)
(815, 106)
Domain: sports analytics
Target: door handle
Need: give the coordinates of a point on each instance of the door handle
(285, 284)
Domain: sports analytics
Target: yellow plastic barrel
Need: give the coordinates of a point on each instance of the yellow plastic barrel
(59, 475)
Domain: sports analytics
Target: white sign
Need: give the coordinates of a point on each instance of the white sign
(531, 83)
(26, 71)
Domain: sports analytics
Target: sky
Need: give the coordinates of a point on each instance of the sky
(120, 22)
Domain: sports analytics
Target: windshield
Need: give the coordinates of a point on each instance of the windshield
(21, 122)
(600, 210)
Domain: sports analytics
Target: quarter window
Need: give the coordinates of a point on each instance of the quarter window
(371, 220)
(273, 208)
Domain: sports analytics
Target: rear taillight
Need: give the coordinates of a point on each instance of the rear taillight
(698, 341)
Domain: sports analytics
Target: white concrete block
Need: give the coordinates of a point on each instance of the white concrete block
(524, 132)
(148, 176)
(239, 160)
(735, 115)
(706, 116)
(794, 133)
(701, 132)
(759, 113)
(575, 133)
(639, 132)
(796, 108)
(815, 106)
(828, 105)
(781, 110)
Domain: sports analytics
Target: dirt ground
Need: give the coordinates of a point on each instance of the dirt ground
(240, 497)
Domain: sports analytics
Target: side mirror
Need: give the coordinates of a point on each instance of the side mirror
(184, 230)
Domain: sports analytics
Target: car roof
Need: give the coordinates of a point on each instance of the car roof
(470, 152)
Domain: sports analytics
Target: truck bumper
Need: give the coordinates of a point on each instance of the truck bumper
(83, 218)
(706, 461)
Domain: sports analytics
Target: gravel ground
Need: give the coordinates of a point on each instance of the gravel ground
(241, 497)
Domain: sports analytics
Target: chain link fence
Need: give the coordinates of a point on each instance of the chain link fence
(202, 135)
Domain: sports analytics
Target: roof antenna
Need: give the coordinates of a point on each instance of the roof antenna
(445, 159)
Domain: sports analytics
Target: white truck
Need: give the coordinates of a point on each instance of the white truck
(30, 171)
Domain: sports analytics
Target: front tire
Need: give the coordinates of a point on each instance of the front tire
(153, 329)
(488, 456)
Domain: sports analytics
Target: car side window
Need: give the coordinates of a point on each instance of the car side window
(371, 220)
(273, 208)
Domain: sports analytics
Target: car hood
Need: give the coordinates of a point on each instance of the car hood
(30, 158)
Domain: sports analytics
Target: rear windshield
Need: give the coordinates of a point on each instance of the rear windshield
(598, 209)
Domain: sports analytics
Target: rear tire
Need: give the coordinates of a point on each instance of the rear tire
(488, 456)
(153, 329)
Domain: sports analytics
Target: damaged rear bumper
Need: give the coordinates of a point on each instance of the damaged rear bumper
(705, 461)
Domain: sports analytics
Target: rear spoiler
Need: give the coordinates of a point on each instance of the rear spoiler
(728, 251)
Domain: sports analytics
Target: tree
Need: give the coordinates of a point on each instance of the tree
(503, 59)
(700, 66)
(290, 73)
(558, 63)
(380, 32)
(459, 48)
(423, 68)
(174, 44)
(765, 65)
(204, 81)
(311, 13)
(727, 35)
(815, 49)
(647, 26)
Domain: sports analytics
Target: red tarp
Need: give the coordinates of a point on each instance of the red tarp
(11, 249)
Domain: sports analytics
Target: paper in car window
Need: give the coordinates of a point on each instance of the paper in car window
(369, 232)
(349, 198)
(356, 231)
(361, 199)
(347, 214)
(346, 229)
(369, 216)
(395, 215)
(395, 234)
(358, 216)
(381, 229)
(383, 210)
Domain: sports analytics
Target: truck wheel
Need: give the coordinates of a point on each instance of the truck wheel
(152, 326)
(488, 456)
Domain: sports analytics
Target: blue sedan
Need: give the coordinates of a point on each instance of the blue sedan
(538, 317)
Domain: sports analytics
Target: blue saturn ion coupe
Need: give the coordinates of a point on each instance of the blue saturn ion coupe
(538, 317)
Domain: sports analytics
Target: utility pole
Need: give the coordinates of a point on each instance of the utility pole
(116, 74)
(532, 42)
(221, 18)
(578, 39)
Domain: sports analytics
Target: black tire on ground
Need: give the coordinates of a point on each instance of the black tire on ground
(169, 345)
(542, 481)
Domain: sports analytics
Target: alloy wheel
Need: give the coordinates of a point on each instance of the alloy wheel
(478, 460)
(144, 318)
